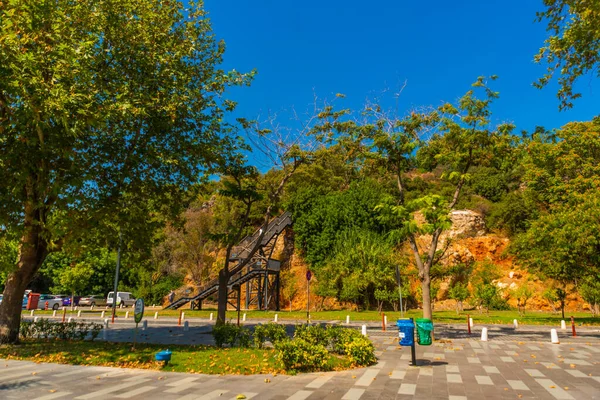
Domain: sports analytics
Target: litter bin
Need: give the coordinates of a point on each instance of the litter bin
(406, 332)
(32, 301)
(424, 329)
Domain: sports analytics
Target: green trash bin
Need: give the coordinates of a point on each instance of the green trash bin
(424, 329)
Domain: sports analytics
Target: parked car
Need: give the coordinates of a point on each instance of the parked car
(1, 296)
(124, 298)
(92, 300)
(54, 303)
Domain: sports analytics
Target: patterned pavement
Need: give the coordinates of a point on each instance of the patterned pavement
(451, 369)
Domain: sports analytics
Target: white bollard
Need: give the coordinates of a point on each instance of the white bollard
(102, 315)
(275, 319)
(484, 335)
(515, 323)
(126, 314)
(563, 325)
(211, 317)
(92, 308)
(32, 313)
(471, 322)
(244, 318)
(183, 316)
(156, 315)
(385, 320)
(144, 325)
(186, 326)
(347, 320)
(554, 336)
(35, 319)
(364, 330)
(106, 321)
(54, 313)
(78, 313)
(69, 319)
(76, 307)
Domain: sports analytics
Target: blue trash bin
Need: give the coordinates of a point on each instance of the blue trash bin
(406, 332)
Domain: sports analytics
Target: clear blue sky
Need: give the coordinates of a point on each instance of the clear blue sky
(360, 48)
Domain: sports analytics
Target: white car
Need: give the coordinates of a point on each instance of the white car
(54, 303)
(124, 299)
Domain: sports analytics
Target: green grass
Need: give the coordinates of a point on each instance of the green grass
(190, 359)
(494, 317)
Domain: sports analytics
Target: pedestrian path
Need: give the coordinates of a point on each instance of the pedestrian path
(452, 370)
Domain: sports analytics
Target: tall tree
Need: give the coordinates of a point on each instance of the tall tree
(455, 138)
(109, 111)
(573, 48)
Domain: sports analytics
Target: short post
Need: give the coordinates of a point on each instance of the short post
(244, 318)
(76, 307)
(563, 325)
(469, 322)
(179, 320)
(364, 330)
(156, 315)
(92, 308)
(69, 320)
(32, 313)
(515, 323)
(573, 326)
(64, 314)
(144, 325)
(347, 320)
(54, 313)
(126, 314)
(383, 322)
(183, 316)
(554, 336)
(413, 353)
(186, 326)
(102, 315)
(275, 319)
(35, 319)
(211, 317)
(484, 335)
(385, 319)
(105, 330)
(78, 313)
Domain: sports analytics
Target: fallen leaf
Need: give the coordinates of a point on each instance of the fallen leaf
(572, 365)
(552, 387)
(240, 396)
(267, 380)
(52, 390)
(566, 388)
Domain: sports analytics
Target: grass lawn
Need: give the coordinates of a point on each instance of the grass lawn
(494, 317)
(190, 359)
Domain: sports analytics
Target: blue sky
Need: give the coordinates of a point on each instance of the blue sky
(302, 48)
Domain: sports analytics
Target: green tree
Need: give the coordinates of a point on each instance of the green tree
(109, 112)
(573, 48)
(590, 291)
(523, 293)
(462, 138)
(73, 280)
(459, 291)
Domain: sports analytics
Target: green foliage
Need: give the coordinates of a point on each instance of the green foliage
(272, 332)
(339, 337)
(459, 291)
(571, 50)
(513, 213)
(360, 351)
(489, 183)
(47, 329)
(313, 334)
(300, 355)
(231, 334)
(590, 291)
(523, 293)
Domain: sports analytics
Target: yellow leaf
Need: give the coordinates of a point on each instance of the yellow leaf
(552, 387)
(240, 396)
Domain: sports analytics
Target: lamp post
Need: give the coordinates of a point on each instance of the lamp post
(399, 290)
(114, 304)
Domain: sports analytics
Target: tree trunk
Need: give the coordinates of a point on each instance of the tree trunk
(33, 251)
(222, 299)
(425, 289)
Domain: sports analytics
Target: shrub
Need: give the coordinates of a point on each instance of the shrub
(313, 334)
(360, 351)
(231, 334)
(338, 338)
(300, 355)
(46, 329)
(271, 331)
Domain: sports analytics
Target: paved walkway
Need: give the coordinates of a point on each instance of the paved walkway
(450, 369)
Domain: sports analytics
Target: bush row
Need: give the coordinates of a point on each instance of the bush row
(310, 347)
(46, 329)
